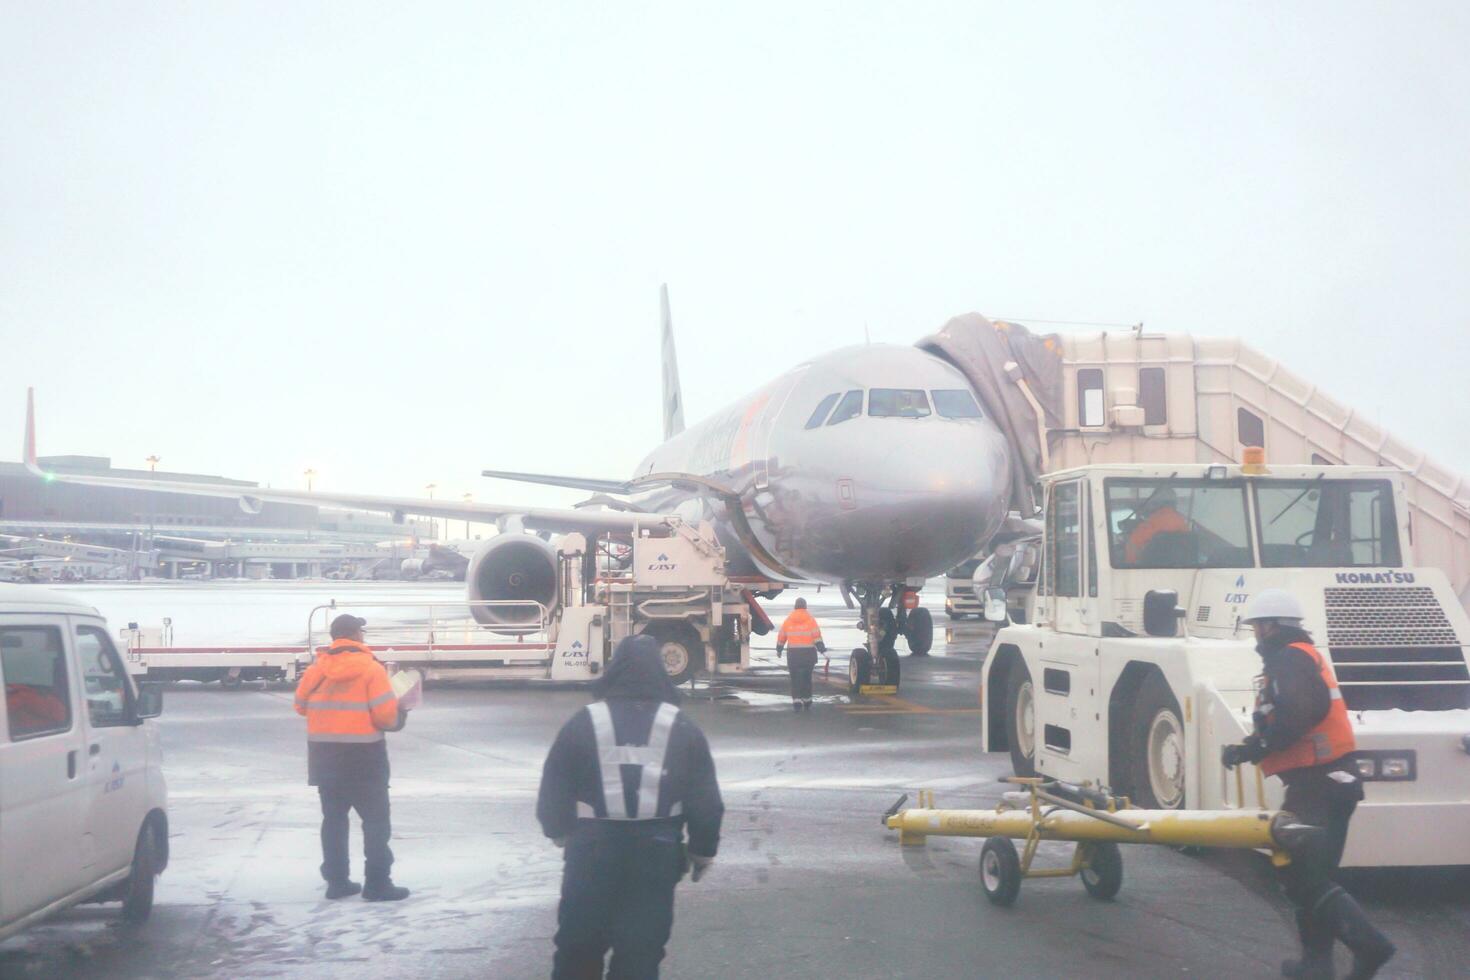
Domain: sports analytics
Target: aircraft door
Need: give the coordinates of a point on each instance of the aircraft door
(42, 766)
(116, 750)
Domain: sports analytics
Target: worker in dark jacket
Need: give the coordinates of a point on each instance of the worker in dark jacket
(349, 703)
(624, 779)
(1303, 734)
(802, 634)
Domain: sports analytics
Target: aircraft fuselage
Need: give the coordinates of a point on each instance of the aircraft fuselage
(877, 489)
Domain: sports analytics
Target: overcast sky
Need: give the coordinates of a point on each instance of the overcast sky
(402, 243)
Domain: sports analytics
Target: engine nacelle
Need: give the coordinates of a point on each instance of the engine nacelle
(511, 567)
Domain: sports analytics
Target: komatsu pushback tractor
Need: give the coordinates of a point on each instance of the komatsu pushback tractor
(1132, 669)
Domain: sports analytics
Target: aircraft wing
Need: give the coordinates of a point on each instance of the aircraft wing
(554, 519)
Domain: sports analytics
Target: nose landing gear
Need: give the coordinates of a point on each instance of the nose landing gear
(874, 669)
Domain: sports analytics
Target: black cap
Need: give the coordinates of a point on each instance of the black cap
(346, 625)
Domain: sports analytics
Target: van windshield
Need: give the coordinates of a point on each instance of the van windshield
(1327, 524)
(1174, 523)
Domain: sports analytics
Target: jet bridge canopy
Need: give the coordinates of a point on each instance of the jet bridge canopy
(1132, 397)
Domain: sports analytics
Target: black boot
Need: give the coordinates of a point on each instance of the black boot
(342, 889)
(1316, 960)
(1371, 948)
(383, 890)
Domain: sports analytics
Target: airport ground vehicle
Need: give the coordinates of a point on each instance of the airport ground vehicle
(1132, 670)
(668, 581)
(959, 590)
(83, 805)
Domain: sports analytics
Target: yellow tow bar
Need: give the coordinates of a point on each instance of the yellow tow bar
(1051, 810)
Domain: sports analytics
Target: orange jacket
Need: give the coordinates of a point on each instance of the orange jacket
(345, 695)
(1331, 739)
(1165, 520)
(799, 630)
(33, 710)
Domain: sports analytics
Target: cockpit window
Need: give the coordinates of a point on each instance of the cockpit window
(851, 406)
(900, 403)
(955, 403)
(823, 407)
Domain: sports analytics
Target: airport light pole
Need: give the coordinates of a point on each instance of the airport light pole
(152, 462)
(429, 487)
(467, 498)
(310, 474)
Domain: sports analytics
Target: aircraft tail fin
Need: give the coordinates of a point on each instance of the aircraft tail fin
(673, 397)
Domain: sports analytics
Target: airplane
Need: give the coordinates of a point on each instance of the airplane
(870, 467)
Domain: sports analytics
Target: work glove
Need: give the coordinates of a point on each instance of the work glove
(779, 651)
(698, 865)
(821, 647)
(1251, 750)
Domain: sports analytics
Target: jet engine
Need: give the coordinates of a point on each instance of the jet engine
(512, 567)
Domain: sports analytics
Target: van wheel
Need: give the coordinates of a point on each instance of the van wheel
(1156, 760)
(1021, 718)
(230, 682)
(137, 901)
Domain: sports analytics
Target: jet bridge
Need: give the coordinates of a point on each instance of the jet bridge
(1067, 400)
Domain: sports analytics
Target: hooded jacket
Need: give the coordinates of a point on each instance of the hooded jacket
(347, 702)
(633, 688)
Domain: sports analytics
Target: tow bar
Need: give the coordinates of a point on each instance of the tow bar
(1053, 810)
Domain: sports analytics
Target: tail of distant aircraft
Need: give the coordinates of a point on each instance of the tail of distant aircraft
(673, 398)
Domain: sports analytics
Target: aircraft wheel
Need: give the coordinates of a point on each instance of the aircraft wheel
(1156, 763)
(890, 667)
(920, 632)
(1021, 719)
(859, 671)
(1103, 875)
(1000, 871)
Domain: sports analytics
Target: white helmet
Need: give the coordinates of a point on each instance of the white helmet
(1274, 604)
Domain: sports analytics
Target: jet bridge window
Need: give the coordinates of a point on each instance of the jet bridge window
(1090, 413)
(1327, 524)
(823, 408)
(850, 407)
(955, 403)
(1172, 523)
(899, 403)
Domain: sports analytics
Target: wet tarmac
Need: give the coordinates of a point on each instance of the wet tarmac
(807, 883)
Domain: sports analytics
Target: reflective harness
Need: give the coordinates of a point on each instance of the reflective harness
(612, 757)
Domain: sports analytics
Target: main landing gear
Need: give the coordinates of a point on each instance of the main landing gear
(884, 619)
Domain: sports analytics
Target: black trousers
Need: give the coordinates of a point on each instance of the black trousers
(801, 661)
(370, 800)
(1318, 799)
(617, 892)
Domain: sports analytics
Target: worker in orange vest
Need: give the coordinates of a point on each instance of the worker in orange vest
(1304, 736)
(349, 703)
(1160, 516)
(801, 632)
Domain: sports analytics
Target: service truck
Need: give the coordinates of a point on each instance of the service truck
(668, 580)
(1132, 669)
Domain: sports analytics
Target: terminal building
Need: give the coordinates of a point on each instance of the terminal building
(171, 533)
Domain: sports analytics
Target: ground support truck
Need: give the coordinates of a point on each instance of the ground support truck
(668, 582)
(1132, 670)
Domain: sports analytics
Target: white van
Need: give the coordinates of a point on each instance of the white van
(83, 813)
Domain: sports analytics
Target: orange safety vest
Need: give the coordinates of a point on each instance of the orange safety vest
(345, 695)
(799, 630)
(1165, 520)
(1331, 739)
